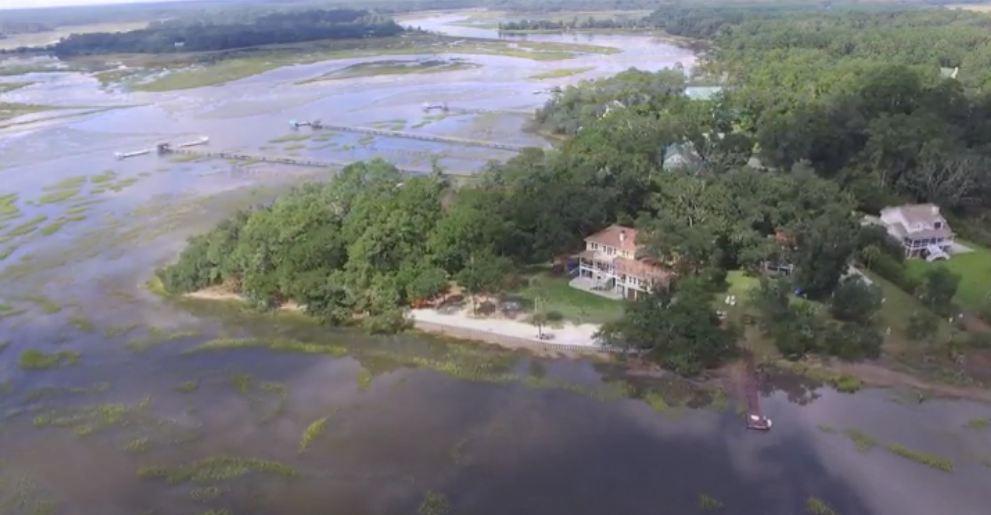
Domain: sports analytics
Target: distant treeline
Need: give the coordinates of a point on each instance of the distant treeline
(574, 24)
(182, 36)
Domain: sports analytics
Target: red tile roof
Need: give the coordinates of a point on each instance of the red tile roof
(616, 236)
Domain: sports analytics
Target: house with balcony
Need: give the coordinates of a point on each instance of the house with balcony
(613, 265)
(920, 228)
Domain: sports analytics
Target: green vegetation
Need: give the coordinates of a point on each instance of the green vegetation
(280, 345)
(312, 432)
(394, 67)
(62, 190)
(930, 460)
(678, 328)
(87, 420)
(816, 506)
(103, 178)
(9, 110)
(8, 207)
(11, 86)
(216, 469)
(553, 294)
(561, 73)
(157, 336)
(863, 441)
(82, 323)
(188, 386)
(25, 228)
(709, 503)
(434, 503)
(276, 27)
(33, 359)
(979, 424)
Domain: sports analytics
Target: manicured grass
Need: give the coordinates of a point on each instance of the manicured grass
(554, 294)
(974, 269)
(898, 307)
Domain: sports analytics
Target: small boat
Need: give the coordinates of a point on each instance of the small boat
(199, 141)
(125, 155)
(758, 422)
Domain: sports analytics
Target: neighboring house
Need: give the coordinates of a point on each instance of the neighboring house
(703, 92)
(681, 156)
(922, 231)
(612, 265)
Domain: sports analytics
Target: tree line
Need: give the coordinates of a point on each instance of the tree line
(185, 35)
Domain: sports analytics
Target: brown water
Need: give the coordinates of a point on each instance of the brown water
(492, 431)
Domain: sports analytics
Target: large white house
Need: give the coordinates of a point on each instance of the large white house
(921, 229)
(611, 265)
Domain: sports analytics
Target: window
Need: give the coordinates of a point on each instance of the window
(938, 225)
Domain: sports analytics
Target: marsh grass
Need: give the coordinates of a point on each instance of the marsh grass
(656, 401)
(312, 432)
(114, 331)
(188, 386)
(103, 178)
(816, 506)
(22, 495)
(85, 420)
(215, 470)
(27, 227)
(33, 359)
(847, 383)
(434, 503)
(82, 323)
(205, 493)
(709, 503)
(138, 445)
(289, 138)
(282, 345)
(47, 305)
(155, 337)
(978, 424)
(364, 379)
(120, 185)
(47, 392)
(930, 460)
(8, 206)
(863, 441)
(561, 73)
(267, 400)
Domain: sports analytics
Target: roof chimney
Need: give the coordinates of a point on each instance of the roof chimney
(622, 236)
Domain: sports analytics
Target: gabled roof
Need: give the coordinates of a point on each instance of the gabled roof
(617, 236)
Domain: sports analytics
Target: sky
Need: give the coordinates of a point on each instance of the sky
(20, 4)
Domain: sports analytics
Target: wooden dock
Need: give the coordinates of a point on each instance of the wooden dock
(291, 161)
(425, 137)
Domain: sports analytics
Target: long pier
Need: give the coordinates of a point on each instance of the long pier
(291, 161)
(425, 137)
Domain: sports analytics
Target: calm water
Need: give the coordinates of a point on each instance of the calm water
(493, 431)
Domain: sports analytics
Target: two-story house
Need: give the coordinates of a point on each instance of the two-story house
(921, 229)
(612, 265)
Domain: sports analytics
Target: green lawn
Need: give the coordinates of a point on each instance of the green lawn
(974, 269)
(578, 306)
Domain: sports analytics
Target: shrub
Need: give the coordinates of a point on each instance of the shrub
(922, 325)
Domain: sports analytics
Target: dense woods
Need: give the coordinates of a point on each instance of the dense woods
(186, 35)
(824, 117)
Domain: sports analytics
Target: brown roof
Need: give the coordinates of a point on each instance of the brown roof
(617, 236)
